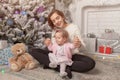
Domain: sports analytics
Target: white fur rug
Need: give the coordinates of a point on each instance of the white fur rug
(102, 71)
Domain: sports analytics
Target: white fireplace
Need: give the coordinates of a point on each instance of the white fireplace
(94, 16)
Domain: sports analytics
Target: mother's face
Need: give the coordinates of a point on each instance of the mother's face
(57, 20)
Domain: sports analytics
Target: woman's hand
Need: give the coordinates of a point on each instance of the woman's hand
(77, 42)
(47, 41)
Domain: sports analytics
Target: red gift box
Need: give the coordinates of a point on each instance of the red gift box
(108, 50)
(105, 49)
(101, 49)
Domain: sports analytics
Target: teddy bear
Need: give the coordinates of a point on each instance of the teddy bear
(21, 59)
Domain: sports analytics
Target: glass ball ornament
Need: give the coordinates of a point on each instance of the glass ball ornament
(10, 22)
(23, 12)
(42, 19)
(19, 33)
(40, 9)
(17, 11)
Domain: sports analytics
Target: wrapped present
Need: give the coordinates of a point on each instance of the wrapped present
(110, 35)
(113, 44)
(5, 54)
(105, 49)
(101, 49)
(3, 44)
(108, 50)
(116, 47)
(90, 44)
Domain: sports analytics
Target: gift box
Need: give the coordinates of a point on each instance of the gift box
(90, 45)
(105, 49)
(108, 50)
(3, 44)
(110, 34)
(101, 49)
(5, 54)
(113, 44)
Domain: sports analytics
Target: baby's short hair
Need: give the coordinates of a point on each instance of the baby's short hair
(64, 33)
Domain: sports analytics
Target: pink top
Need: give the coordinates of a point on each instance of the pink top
(67, 49)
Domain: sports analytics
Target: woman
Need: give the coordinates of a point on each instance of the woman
(81, 63)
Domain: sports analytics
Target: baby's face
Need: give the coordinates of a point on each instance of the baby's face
(60, 40)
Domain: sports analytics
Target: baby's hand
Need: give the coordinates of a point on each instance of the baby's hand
(47, 41)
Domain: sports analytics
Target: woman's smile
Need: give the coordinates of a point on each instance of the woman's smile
(57, 20)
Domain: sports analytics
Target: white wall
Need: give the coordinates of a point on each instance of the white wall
(94, 16)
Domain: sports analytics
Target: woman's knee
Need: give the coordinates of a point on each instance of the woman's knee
(83, 64)
(76, 57)
(92, 63)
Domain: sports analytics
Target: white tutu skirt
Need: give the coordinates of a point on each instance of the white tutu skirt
(59, 59)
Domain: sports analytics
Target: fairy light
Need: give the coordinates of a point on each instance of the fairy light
(109, 58)
(118, 56)
(3, 71)
(103, 57)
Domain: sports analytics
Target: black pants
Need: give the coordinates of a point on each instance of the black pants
(81, 63)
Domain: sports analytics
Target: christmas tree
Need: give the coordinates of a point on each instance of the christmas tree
(25, 21)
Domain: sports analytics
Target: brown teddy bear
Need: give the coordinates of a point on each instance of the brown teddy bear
(21, 59)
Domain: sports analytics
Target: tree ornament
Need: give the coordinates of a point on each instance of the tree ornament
(10, 22)
(23, 12)
(40, 9)
(17, 11)
(42, 19)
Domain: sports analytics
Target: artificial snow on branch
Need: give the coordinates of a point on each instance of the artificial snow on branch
(27, 24)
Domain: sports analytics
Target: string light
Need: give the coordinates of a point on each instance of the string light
(3, 71)
(109, 58)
